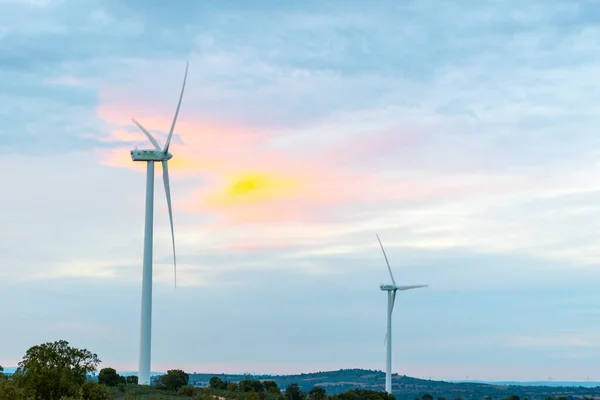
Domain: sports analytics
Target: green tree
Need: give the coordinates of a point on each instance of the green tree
(132, 379)
(91, 390)
(252, 396)
(317, 393)
(215, 382)
(293, 392)
(109, 377)
(363, 394)
(271, 385)
(427, 396)
(10, 391)
(55, 369)
(173, 380)
(187, 390)
(250, 385)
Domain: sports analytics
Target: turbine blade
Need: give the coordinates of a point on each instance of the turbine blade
(411, 287)
(176, 111)
(386, 259)
(168, 193)
(154, 142)
(393, 300)
(385, 340)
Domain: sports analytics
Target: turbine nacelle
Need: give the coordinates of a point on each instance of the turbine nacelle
(150, 155)
(397, 287)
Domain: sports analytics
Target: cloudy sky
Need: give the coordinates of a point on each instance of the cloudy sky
(465, 133)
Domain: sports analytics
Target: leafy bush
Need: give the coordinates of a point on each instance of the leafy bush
(217, 383)
(91, 390)
(187, 390)
(173, 380)
(10, 391)
(109, 377)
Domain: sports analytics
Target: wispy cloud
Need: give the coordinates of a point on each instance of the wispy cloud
(568, 339)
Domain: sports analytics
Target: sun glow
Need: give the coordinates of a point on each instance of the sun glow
(253, 188)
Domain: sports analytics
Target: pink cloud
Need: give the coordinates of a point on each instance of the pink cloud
(245, 182)
(371, 148)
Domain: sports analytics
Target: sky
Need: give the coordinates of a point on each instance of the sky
(463, 132)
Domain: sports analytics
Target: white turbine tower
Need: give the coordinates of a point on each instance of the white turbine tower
(150, 157)
(391, 289)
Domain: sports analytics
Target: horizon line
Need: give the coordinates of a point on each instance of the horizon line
(553, 382)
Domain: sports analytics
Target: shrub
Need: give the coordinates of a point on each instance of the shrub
(173, 380)
(109, 377)
(91, 390)
(187, 390)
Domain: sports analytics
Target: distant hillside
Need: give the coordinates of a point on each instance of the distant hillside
(588, 384)
(407, 388)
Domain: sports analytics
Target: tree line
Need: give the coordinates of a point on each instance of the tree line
(58, 371)
(250, 389)
(427, 396)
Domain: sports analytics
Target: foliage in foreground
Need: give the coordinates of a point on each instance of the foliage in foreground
(51, 371)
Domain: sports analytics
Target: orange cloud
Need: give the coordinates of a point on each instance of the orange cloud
(262, 197)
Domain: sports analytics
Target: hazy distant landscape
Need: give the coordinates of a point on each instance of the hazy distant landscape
(405, 387)
(342, 380)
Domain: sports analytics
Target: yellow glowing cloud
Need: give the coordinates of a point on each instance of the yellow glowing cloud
(253, 187)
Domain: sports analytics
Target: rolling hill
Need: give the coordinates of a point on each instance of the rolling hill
(407, 388)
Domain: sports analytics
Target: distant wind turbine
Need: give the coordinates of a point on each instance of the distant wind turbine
(150, 157)
(391, 289)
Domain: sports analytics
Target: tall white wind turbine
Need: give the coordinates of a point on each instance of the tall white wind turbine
(150, 157)
(391, 289)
